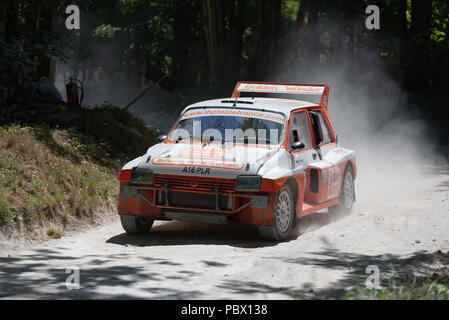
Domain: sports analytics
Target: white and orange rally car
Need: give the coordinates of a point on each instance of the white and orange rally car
(262, 161)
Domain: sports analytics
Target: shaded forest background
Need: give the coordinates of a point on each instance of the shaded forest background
(208, 45)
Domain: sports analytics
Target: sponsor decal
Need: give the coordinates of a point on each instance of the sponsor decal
(334, 182)
(247, 87)
(206, 152)
(206, 163)
(292, 102)
(272, 116)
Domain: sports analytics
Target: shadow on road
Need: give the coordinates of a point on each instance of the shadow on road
(185, 233)
(42, 275)
(236, 234)
(405, 266)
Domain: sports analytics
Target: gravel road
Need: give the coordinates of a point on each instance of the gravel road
(399, 229)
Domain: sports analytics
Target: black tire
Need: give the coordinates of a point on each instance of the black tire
(136, 225)
(284, 217)
(347, 195)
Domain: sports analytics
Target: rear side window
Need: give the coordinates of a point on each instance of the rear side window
(327, 136)
(300, 130)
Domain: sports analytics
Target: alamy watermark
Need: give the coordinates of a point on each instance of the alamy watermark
(373, 280)
(73, 280)
(73, 20)
(373, 20)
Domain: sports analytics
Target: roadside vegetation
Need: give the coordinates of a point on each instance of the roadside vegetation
(431, 287)
(60, 174)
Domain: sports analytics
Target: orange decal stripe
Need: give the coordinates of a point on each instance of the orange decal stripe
(230, 165)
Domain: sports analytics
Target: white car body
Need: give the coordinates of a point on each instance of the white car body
(212, 171)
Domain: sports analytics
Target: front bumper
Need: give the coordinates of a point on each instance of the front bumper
(161, 201)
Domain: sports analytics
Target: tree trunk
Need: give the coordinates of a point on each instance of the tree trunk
(299, 23)
(256, 59)
(312, 35)
(31, 15)
(11, 25)
(3, 10)
(179, 26)
(45, 25)
(214, 34)
(312, 11)
(137, 62)
(274, 28)
(421, 16)
(419, 74)
(237, 29)
(402, 10)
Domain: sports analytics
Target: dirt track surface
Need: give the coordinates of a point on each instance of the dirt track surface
(398, 232)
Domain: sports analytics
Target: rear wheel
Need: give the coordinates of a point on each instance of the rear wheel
(136, 225)
(284, 216)
(347, 195)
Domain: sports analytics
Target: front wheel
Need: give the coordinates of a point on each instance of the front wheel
(136, 225)
(347, 195)
(284, 216)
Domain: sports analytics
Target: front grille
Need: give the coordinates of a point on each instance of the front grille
(195, 200)
(194, 183)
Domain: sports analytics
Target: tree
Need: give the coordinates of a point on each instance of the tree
(237, 12)
(421, 17)
(12, 18)
(45, 17)
(402, 9)
(214, 30)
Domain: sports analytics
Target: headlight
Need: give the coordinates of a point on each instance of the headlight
(142, 176)
(247, 183)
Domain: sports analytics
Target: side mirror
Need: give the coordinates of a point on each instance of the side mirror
(162, 138)
(298, 145)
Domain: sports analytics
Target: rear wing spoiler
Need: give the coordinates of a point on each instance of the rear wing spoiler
(285, 88)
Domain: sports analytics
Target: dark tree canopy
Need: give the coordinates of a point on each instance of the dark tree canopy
(210, 44)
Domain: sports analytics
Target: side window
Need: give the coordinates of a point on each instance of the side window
(300, 130)
(327, 137)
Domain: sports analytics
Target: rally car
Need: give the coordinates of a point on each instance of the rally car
(259, 160)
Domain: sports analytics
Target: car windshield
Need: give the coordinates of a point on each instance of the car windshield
(224, 125)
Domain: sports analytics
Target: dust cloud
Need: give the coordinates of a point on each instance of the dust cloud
(374, 117)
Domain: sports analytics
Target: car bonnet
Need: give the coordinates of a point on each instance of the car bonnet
(208, 160)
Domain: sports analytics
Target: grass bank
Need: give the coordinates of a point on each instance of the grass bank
(63, 172)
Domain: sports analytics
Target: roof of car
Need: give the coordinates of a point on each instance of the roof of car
(284, 106)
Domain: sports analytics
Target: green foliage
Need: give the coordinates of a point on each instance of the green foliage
(54, 234)
(18, 61)
(17, 64)
(289, 9)
(432, 287)
(119, 38)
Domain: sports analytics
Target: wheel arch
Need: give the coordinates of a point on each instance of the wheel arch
(349, 166)
(351, 162)
(293, 184)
